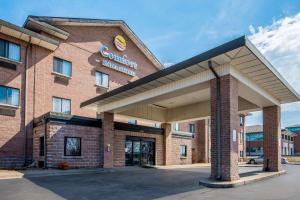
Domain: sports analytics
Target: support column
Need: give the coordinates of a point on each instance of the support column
(167, 143)
(224, 162)
(272, 138)
(106, 142)
(202, 141)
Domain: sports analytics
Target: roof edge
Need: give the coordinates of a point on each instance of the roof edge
(261, 57)
(239, 42)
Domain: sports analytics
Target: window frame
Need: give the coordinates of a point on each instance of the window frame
(59, 73)
(130, 120)
(42, 146)
(192, 130)
(6, 99)
(8, 58)
(62, 105)
(102, 79)
(185, 150)
(65, 146)
(176, 127)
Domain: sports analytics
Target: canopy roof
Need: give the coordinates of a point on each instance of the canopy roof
(240, 54)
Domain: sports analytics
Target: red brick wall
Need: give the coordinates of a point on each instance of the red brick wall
(176, 159)
(12, 127)
(297, 143)
(272, 138)
(119, 146)
(82, 49)
(229, 122)
(90, 144)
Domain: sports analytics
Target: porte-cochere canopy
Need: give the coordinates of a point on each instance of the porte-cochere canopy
(182, 92)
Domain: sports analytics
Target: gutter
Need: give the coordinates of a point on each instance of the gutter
(46, 120)
(218, 120)
(25, 102)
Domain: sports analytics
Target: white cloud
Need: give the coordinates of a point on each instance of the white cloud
(280, 43)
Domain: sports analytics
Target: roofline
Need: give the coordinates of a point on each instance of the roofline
(45, 26)
(239, 42)
(29, 32)
(260, 57)
(157, 63)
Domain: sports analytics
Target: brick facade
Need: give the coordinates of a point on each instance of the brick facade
(272, 138)
(56, 133)
(175, 157)
(82, 49)
(119, 145)
(229, 123)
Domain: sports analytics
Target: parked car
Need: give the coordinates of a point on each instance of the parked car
(256, 160)
(260, 160)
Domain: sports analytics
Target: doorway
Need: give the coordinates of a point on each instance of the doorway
(139, 151)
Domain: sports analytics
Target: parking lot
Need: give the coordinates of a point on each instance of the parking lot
(148, 184)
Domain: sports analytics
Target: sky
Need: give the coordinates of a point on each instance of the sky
(175, 31)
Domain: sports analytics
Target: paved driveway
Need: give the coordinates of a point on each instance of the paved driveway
(147, 184)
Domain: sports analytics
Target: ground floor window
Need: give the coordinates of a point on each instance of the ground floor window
(183, 150)
(42, 146)
(72, 146)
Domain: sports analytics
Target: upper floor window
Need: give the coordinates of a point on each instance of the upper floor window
(132, 121)
(102, 79)
(192, 128)
(10, 50)
(9, 96)
(292, 138)
(62, 67)
(176, 126)
(61, 105)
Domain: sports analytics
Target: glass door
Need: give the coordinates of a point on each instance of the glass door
(139, 151)
(147, 153)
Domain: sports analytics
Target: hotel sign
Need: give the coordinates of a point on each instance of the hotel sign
(110, 56)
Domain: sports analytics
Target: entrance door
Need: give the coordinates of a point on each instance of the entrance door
(139, 151)
(147, 153)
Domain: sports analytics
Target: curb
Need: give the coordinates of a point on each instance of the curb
(231, 184)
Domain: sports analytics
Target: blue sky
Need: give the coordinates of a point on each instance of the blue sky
(175, 31)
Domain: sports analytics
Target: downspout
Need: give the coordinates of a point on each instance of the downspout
(45, 142)
(218, 119)
(25, 102)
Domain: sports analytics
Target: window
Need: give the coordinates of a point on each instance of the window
(292, 138)
(10, 50)
(282, 136)
(192, 128)
(102, 79)
(72, 146)
(241, 153)
(285, 137)
(176, 126)
(241, 136)
(132, 121)
(42, 147)
(62, 67)
(241, 120)
(61, 105)
(9, 96)
(157, 125)
(183, 152)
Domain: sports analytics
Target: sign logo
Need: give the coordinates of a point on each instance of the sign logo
(120, 43)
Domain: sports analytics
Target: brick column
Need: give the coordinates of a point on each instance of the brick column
(201, 141)
(229, 129)
(167, 143)
(106, 142)
(272, 139)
